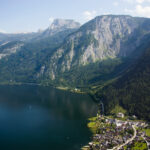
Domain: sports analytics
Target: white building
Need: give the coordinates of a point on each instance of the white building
(119, 123)
(120, 115)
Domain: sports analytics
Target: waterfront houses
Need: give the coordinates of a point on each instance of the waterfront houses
(115, 134)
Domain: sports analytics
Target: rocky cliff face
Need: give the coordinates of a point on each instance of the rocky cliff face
(131, 90)
(59, 25)
(66, 54)
(101, 38)
(9, 48)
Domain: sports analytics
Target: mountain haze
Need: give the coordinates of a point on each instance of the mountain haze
(21, 65)
(109, 54)
(66, 54)
(103, 38)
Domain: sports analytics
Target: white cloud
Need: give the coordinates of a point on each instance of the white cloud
(136, 1)
(115, 3)
(143, 11)
(140, 11)
(2, 31)
(129, 11)
(129, 1)
(106, 13)
(142, 1)
(51, 19)
(88, 15)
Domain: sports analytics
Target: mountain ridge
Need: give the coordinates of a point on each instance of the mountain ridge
(131, 90)
(80, 56)
(95, 41)
(109, 54)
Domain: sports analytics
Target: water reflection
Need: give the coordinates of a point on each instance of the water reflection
(43, 118)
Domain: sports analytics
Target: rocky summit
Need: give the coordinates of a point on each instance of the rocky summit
(69, 54)
(59, 25)
(101, 38)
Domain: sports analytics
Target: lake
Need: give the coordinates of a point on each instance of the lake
(43, 118)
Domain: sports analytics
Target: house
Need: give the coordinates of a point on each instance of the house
(120, 115)
(76, 89)
(110, 120)
(119, 123)
(134, 117)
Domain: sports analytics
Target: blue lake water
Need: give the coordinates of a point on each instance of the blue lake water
(43, 118)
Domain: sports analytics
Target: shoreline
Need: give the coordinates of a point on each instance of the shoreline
(106, 131)
(73, 90)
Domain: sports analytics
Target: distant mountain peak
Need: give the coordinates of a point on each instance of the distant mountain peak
(64, 24)
(59, 25)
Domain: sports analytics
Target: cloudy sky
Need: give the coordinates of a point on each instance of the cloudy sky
(31, 15)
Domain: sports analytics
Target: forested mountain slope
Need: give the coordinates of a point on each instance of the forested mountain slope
(66, 54)
(132, 90)
(95, 51)
(21, 60)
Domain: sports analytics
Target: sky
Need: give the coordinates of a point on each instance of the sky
(31, 15)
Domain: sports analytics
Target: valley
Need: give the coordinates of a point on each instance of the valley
(107, 58)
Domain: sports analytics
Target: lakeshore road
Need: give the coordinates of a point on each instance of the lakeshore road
(129, 140)
(148, 144)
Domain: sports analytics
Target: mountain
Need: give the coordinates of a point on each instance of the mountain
(24, 57)
(66, 54)
(58, 26)
(131, 91)
(8, 37)
(11, 43)
(9, 48)
(108, 56)
(98, 47)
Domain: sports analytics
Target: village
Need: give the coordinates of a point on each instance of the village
(118, 133)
